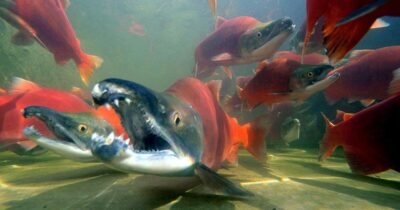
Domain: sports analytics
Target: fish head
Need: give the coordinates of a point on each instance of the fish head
(74, 128)
(162, 127)
(307, 75)
(263, 40)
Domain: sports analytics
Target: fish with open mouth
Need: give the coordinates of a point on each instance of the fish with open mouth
(182, 131)
(72, 131)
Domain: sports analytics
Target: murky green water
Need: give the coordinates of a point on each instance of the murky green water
(291, 179)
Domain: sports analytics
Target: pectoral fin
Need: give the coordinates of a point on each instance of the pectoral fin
(218, 183)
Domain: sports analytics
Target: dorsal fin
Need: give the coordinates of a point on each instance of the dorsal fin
(20, 85)
(220, 20)
(215, 87)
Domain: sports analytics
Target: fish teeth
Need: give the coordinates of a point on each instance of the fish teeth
(108, 106)
(128, 101)
(110, 138)
(116, 102)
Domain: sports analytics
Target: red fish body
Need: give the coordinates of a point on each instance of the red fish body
(366, 77)
(312, 58)
(222, 134)
(369, 138)
(272, 79)
(240, 40)
(51, 25)
(340, 40)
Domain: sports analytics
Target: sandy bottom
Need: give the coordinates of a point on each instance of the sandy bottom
(290, 179)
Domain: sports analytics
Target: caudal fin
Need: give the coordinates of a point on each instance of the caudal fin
(86, 68)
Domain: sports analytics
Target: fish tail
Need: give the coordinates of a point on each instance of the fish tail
(87, 67)
(329, 141)
(256, 133)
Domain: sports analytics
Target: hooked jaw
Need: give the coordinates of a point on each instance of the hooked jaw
(53, 121)
(152, 145)
(263, 41)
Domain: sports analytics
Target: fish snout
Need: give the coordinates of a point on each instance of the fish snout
(287, 24)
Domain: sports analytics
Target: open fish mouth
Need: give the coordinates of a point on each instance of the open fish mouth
(134, 105)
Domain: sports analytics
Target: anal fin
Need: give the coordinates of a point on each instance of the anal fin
(218, 183)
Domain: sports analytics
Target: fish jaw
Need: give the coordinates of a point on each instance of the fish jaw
(72, 130)
(63, 148)
(118, 154)
(303, 94)
(155, 122)
(264, 40)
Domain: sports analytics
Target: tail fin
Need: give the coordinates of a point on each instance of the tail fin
(329, 141)
(251, 136)
(87, 67)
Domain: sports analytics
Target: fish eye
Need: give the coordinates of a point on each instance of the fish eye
(82, 128)
(177, 120)
(310, 74)
(259, 34)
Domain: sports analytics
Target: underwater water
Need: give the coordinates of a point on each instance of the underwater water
(153, 42)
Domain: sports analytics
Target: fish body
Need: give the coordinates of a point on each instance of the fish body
(333, 12)
(182, 131)
(25, 93)
(369, 138)
(311, 58)
(240, 40)
(48, 22)
(285, 80)
(367, 76)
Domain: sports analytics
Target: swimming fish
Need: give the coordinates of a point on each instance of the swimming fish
(353, 19)
(182, 131)
(311, 58)
(285, 80)
(240, 40)
(369, 138)
(25, 93)
(67, 127)
(367, 75)
(47, 22)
